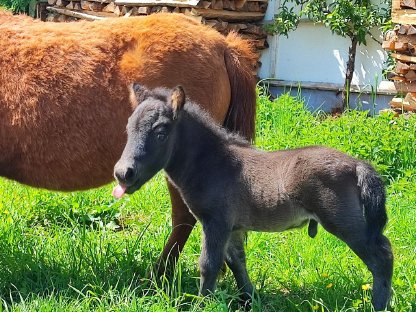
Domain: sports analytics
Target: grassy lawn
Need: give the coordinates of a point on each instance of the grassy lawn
(86, 251)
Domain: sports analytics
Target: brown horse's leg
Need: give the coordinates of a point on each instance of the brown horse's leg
(182, 224)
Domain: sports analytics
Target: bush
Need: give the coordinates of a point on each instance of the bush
(17, 6)
(385, 141)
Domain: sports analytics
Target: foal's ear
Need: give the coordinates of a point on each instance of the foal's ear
(178, 100)
(138, 93)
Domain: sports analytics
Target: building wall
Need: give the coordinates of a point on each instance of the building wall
(312, 53)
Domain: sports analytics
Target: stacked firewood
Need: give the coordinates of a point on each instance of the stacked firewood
(242, 16)
(401, 42)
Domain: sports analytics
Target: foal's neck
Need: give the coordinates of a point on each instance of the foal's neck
(201, 146)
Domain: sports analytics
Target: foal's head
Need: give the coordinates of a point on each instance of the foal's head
(150, 132)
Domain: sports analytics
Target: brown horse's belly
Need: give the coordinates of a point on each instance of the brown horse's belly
(73, 154)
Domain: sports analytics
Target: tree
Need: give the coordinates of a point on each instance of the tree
(351, 19)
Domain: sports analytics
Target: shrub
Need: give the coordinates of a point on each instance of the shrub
(387, 142)
(16, 6)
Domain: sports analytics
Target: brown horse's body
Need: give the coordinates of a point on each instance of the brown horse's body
(64, 93)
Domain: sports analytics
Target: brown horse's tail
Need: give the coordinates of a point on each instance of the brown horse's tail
(240, 61)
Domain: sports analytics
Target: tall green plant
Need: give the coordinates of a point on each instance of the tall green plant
(17, 6)
(351, 19)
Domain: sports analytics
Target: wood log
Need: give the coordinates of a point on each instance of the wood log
(403, 16)
(124, 10)
(217, 4)
(220, 26)
(99, 1)
(155, 9)
(61, 3)
(173, 3)
(397, 78)
(408, 4)
(91, 16)
(117, 10)
(224, 14)
(239, 3)
(176, 10)
(411, 30)
(70, 5)
(404, 86)
(411, 99)
(188, 12)
(405, 58)
(52, 17)
(229, 5)
(406, 38)
(263, 6)
(407, 104)
(389, 111)
(204, 4)
(237, 26)
(51, 2)
(259, 44)
(410, 75)
(388, 45)
(62, 18)
(128, 12)
(401, 68)
(109, 7)
(255, 30)
(401, 46)
(402, 29)
(253, 7)
(143, 10)
(91, 6)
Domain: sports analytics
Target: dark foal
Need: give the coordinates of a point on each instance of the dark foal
(232, 188)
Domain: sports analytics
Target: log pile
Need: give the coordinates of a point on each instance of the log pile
(242, 16)
(401, 42)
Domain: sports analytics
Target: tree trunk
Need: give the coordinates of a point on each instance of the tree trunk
(349, 73)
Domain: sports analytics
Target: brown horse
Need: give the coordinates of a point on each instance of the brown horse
(64, 94)
(233, 188)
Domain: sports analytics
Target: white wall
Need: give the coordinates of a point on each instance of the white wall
(312, 53)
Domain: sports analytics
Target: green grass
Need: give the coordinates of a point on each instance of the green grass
(86, 251)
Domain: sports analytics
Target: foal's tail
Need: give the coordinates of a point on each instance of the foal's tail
(240, 62)
(373, 197)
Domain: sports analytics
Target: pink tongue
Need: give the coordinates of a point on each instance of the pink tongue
(119, 191)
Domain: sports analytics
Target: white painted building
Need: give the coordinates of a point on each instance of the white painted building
(316, 59)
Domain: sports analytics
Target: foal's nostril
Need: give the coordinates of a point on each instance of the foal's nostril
(129, 174)
(119, 175)
(124, 175)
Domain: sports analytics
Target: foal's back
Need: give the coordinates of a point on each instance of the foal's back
(284, 189)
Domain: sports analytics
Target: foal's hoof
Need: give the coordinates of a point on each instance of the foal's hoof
(245, 300)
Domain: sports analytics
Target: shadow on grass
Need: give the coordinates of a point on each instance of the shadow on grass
(97, 270)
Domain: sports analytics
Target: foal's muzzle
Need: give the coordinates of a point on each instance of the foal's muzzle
(125, 174)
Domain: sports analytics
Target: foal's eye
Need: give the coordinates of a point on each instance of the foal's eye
(161, 136)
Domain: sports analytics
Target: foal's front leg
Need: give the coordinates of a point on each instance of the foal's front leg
(236, 261)
(214, 242)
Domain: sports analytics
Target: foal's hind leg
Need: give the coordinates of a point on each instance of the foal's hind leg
(377, 255)
(349, 225)
(236, 261)
(182, 224)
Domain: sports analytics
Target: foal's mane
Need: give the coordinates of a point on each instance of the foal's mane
(202, 116)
